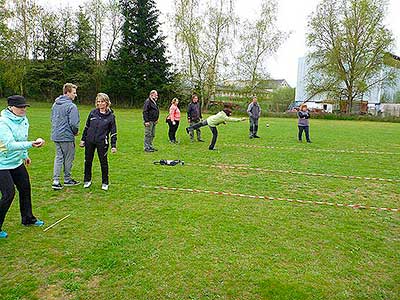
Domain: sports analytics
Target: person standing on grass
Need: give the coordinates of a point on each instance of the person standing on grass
(173, 119)
(304, 123)
(99, 131)
(254, 112)
(213, 121)
(151, 114)
(64, 128)
(14, 147)
(194, 117)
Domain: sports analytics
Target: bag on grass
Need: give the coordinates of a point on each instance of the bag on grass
(167, 162)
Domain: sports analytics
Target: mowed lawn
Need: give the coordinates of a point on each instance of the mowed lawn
(136, 242)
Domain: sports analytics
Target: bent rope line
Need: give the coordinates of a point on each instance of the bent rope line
(296, 172)
(317, 150)
(51, 226)
(355, 206)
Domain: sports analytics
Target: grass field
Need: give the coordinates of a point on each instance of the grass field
(133, 242)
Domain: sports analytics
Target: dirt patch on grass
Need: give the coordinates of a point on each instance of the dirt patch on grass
(52, 292)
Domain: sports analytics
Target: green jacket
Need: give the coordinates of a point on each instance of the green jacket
(220, 118)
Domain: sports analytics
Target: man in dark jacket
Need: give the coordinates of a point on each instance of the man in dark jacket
(150, 118)
(64, 128)
(254, 112)
(194, 117)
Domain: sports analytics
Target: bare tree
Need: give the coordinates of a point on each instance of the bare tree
(259, 39)
(202, 37)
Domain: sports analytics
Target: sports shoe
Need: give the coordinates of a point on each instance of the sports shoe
(256, 137)
(71, 182)
(57, 186)
(86, 184)
(104, 187)
(38, 223)
(148, 150)
(200, 140)
(3, 234)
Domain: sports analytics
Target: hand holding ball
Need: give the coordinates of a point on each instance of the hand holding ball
(38, 143)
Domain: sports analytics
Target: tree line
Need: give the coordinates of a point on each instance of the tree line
(117, 47)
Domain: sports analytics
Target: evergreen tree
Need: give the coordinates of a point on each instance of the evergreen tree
(79, 65)
(141, 64)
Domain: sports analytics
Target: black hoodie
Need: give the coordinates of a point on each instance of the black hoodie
(99, 126)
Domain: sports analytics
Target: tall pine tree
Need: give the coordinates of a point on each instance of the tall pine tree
(141, 64)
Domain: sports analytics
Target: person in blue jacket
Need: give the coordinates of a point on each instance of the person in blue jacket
(14, 147)
(100, 131)
(64, 128)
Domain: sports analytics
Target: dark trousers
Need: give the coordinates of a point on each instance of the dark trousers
(198, 125)
(214, 137)
(102, 150)
(172, 130)
(306, 130)
(253, 126)
(213, 130)
(20, 178)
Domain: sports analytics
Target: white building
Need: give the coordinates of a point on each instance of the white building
(321, 101)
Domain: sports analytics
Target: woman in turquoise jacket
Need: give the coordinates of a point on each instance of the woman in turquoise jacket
(14, 147)
(213, 121)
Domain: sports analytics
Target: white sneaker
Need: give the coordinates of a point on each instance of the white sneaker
(86, 184)
(104, 187)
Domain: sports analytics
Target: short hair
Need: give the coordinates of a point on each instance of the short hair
(104, 97)
(174, 100)
(303, 105)
(152, 92)
(228, 111)
(194, 96)
(67, 88)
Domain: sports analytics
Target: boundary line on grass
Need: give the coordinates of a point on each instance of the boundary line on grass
(316, 150)
(295, 172)
(354, 206)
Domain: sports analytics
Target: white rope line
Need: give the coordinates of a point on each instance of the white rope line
(354, 206)
(296, 172)
(316, 150)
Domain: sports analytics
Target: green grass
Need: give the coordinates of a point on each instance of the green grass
(137, 243)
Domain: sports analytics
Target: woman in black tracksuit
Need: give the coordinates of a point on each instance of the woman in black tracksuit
(100, 128)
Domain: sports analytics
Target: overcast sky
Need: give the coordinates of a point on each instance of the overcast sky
(292, 16)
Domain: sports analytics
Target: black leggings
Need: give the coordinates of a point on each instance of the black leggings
(20, 178)
(172, 130)
(102, 149)
(213, 130)
(306, 130)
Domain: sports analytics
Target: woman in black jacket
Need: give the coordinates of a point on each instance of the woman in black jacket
(100, 128)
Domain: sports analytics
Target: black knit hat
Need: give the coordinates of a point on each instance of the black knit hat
(228, 111)
(17, 101)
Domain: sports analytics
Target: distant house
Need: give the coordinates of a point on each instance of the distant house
(242, 88)
(372, 98)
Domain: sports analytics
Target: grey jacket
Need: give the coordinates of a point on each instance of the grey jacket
(254, 110)
(303, 118)
(64, 120)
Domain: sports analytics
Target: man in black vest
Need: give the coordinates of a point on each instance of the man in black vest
(150, 119)
(194, 117)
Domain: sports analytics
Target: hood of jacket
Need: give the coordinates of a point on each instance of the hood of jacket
(8, 115)
(62, 100)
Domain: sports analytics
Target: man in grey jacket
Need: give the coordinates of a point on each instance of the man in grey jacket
(254, 112)
(64, 128)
